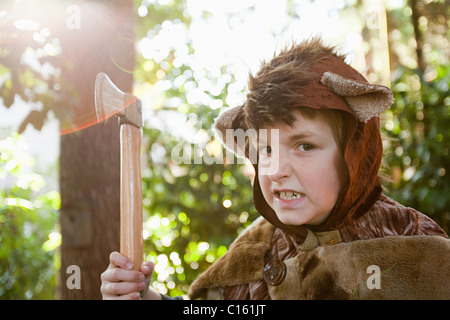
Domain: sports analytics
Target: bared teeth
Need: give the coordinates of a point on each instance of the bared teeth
(289, 195)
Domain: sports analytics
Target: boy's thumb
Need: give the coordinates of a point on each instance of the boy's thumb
(147, 268)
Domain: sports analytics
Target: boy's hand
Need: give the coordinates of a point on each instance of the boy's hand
(120, 281)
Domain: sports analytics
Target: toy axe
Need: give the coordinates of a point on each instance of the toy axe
(111, 101)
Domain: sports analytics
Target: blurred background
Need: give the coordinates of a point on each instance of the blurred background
(59, 169)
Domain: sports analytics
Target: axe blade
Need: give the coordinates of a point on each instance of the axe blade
(109, 100)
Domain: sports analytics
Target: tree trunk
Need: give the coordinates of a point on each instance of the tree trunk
(89, 156)
(415, 15)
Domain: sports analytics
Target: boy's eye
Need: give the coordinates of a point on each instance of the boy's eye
(305, 147)
(267, 150)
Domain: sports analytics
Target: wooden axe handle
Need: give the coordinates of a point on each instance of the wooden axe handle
(131, 243)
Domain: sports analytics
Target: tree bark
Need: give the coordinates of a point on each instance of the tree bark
(90, 153)
(415, 15)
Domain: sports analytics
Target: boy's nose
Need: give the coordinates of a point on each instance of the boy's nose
(276, 168)
(282, 172)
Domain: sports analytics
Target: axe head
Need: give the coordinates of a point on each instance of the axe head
(111, 101)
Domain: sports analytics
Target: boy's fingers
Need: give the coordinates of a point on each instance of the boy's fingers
(119, 260)
(118, 274)
(121, 288)
(147, 267)
(120, 281)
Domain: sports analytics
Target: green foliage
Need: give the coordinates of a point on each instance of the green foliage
(28, 61)
(28, 259)
(195, 211)
(419, 145)
(196, 202)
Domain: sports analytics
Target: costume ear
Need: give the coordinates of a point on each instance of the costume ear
(364, 99)
(223, 123)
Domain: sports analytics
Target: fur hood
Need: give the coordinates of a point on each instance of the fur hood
(313, 75)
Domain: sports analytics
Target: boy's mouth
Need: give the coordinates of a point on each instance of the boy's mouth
(288, 195)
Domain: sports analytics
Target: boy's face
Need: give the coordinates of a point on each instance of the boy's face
(302, 171)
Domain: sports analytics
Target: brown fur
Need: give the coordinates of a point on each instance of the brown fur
(243, 262)
(412, 267)
(365, 100)
(275, 88)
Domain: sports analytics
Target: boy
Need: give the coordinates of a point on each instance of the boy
(316, 185)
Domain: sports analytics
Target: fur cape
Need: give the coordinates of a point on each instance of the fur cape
(393, 267)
